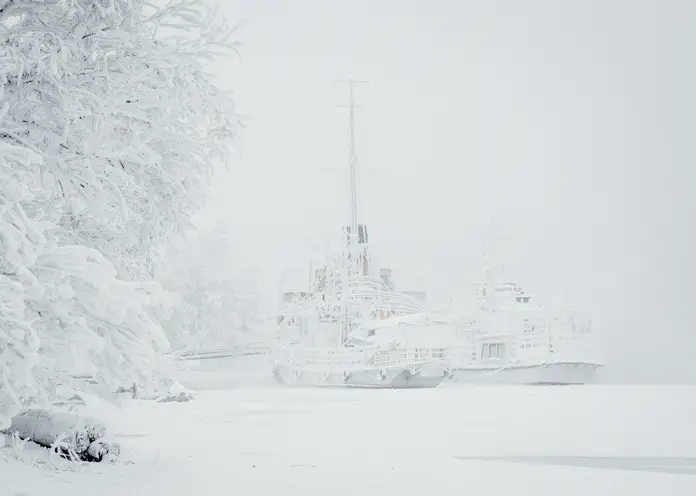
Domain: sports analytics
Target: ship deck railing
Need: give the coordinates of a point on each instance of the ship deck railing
(357, 357)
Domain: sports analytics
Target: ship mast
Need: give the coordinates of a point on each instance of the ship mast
(352, 255)
(493, 265)
(490, 267)
(352, 159)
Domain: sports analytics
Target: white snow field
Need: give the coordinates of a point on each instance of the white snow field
(478, 440)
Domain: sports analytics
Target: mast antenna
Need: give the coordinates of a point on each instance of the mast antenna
(353, 158)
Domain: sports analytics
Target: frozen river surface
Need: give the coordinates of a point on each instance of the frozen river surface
(497, 440)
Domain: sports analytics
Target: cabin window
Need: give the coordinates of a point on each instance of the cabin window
(439, 353)
(493, 351)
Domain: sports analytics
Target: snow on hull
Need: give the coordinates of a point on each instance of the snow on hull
(546, 373)
(399, 377)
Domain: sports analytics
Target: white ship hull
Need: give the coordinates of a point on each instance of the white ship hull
(561, 373)
(394, 377)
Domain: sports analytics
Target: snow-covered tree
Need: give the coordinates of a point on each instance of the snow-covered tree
(109, 130)
(67, 295)
(213, 298)
(127, 120)
(21, 240)
(90, 322)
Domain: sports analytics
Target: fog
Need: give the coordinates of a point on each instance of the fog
(568, 122)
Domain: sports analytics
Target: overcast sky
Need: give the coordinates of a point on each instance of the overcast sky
(570, 122)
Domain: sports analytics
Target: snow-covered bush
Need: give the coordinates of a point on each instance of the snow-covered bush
(69, 435)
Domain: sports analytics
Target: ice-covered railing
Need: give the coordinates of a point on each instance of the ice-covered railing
(378, 297)
(360, 357)
(256, 348)
(364, 294)
(388, 358)
(323, 357)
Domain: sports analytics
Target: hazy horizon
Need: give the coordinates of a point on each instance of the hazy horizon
(568, 122)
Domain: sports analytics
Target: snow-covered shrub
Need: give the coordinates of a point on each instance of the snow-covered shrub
(72, 436)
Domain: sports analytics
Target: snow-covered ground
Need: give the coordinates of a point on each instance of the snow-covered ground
(261, 440)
